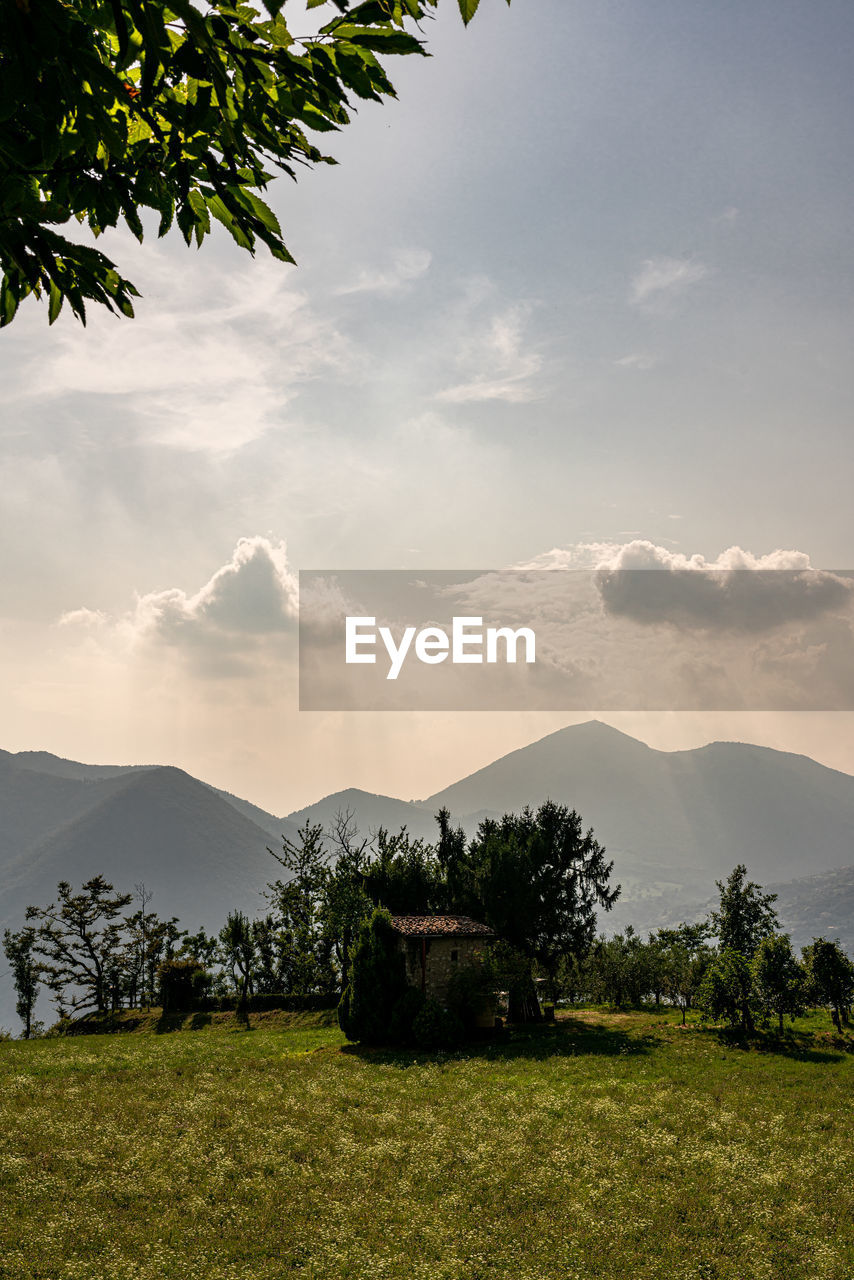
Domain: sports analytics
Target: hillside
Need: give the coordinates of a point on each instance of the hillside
(700, 810)
(602, 1146)
(673, 822)
(370, 811)
(197, 853)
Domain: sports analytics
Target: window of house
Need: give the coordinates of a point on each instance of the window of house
(455, 955)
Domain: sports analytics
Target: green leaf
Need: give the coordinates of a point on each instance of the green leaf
(468, 8)
(55, 303)
(264, 212)
(9, 300)
(122, 105)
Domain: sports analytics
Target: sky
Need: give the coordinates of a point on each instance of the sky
(586, 284)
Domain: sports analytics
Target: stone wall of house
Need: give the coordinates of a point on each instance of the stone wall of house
(443, 957)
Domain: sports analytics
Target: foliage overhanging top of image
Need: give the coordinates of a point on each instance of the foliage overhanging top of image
(108, 107)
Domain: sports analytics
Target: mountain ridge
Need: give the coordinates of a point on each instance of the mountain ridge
(673, 822)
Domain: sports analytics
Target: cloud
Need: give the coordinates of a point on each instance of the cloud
(635, 360)
(500, 369)
(83, 618)
(226, 626)
(665, 277)
(738, 591)
(208, 365)
(407, 265)
(647, 629)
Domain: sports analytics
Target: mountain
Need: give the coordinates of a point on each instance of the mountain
(197, 853)
(57, 767)
(371, 811)
(42, 762)
(200, 851)
(673, 821)
(818, 906)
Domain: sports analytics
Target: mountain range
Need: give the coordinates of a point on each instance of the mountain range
(673, 822)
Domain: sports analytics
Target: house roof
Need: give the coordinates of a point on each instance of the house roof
(441, 927)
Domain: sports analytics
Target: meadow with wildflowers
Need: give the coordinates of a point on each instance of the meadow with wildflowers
(605, 1145)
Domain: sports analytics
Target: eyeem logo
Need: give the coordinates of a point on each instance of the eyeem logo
(468, 642)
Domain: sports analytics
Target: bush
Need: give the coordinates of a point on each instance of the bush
(404, 1014)
(434, 1028)
(183, 984)
(265, 1000)
(508, 969)
(377, 981)
(471, 993)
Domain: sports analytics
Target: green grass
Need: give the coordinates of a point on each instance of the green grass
(609, 1145)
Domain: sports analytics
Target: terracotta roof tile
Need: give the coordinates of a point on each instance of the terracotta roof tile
(441, 926)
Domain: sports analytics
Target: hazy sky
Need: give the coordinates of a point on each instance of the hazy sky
(588, 281)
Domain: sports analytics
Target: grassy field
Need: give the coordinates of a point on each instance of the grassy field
(609, 1145)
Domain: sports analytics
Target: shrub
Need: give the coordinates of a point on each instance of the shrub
(183, 983)
(470, 993)
(434, 1028)
(377, 981)
(404, 1014)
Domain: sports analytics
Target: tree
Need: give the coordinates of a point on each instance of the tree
(727, 990)
(181, 983)
(830, 978)
(238, 945)
(26, 972)
(80, 939)
(778, 978)
(745, 915)
(298, 908)
(271, 956)
(686, 958)
(377, 981)
(346, 901)
(150, 941)
(537, 879)
(111, 108)
(624, 969)
(404, 875)
(455, 866)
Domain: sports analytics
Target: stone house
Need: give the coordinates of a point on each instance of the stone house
(434, 947)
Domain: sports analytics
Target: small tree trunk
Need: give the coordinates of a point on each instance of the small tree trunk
(243, 1002)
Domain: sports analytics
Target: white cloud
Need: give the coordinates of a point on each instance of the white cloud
(83, 618)
(498, 365)
(209, 364)
(223, 627)
(643, 554)
(635, 360)
(737, 591)
(407, 265)
(665, 277)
